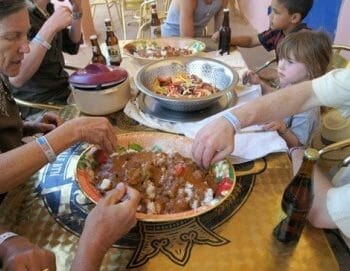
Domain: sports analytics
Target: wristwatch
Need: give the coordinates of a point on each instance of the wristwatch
(76, 15)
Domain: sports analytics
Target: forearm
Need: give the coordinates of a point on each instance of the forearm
(87, 257)
(186, 29)
(218, 20)
(318, 215)
(34, 58)
(186, 11)
(266, 88)
(17, 165)
(75, 31)
(245, 41)
(3, 229)
(298, 98)
(290, 138)
(4, 248)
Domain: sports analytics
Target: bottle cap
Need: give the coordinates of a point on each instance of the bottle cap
(107, 20)
(92, 37)
(311, 154)
(226, 10)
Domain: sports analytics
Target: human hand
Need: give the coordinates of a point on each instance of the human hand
(251, 78)
(215, 37)
(45, 124)
(95, 130)
(76, 5)
(19, 254)
(60, 19)
(296, 154)
(113, 217)
(213, 142)
(277, 125)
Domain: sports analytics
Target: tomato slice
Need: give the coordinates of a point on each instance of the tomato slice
(101, 156)
(224, 185)
(179, 169)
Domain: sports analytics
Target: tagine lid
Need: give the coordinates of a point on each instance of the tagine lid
(98, 75)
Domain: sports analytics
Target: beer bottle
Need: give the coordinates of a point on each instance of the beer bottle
(297, 200)
(112, 45)
(225, 34)
(155, 23)
(97, 56)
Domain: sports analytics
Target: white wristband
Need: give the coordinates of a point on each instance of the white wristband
(39, 40)
(233, 120)
(6, 235)
(46, 148)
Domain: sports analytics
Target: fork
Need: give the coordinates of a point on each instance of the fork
(258, 69)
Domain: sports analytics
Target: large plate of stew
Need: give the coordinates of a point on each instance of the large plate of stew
(160, 166)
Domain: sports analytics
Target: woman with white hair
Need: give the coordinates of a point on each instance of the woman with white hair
(18, 162)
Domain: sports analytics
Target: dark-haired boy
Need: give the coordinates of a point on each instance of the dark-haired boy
(285, 17)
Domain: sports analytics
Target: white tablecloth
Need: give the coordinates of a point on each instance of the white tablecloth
(251, 144)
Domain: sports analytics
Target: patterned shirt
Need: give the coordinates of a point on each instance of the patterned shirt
(270, 38)
(11, 124)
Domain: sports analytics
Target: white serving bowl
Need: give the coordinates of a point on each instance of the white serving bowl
(104, 101)
(99, 89)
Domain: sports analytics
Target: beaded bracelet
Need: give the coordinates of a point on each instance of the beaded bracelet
(39, 40)
(6, 235)
(46, 148)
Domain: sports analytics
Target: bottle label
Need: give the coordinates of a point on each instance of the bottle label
(94, 49)
(156, 32)
(109, 28)
(114, 53)
(291, 204)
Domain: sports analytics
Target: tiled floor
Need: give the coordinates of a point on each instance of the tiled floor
(254, 57)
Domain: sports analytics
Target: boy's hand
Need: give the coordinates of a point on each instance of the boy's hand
(215, 37)
(249, 77)
(277, 125)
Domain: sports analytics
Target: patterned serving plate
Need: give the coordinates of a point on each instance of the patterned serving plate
(129, 49)
(223, 171)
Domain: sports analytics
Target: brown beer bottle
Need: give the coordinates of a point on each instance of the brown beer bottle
(155, 23)
(297, 200)
(225, 34)
(97, 56)
(112, 45)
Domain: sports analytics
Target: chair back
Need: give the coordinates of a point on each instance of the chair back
(145, 11)
(132, 4)
(339, 60)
